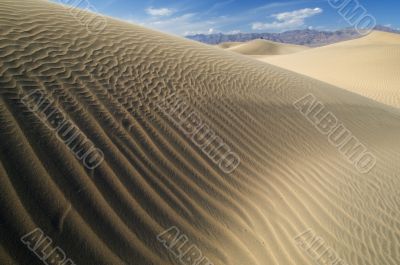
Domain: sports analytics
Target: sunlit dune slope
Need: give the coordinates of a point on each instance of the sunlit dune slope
(226, 45)
(116, 88)
(263, 47)
(369, 66)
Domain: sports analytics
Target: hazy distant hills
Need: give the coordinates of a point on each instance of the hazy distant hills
(307, 37)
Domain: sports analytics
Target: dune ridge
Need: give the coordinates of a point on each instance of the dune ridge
(262, 47)
(226, 45)
(367, 66)
(153, 177)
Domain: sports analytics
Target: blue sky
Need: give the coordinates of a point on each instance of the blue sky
(185, 17)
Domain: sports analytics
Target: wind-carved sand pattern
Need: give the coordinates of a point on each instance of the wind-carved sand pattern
(153, 177)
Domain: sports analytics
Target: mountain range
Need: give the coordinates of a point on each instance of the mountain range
(308, 37)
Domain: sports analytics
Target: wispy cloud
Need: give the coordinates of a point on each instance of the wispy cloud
(219, 5)
(284, 4)
(187, 21)
(185, 24)
(159, 11)
(288, 20)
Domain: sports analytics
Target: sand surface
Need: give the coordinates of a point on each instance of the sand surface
(262, 47)
(226, 45)
(290, 178)
(368, 66)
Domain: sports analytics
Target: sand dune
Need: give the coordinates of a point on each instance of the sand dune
(368, 66)
(154, 176)
(262, 47)
(226, 45)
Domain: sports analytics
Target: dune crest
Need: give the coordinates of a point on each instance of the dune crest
(368, 66)
(155, 181)
(263, 47)
(227, 45)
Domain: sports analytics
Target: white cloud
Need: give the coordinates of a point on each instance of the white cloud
(185, 24)
(281, 4)
(159, 12)
(201, 31)
(182, 23)
(288, 20)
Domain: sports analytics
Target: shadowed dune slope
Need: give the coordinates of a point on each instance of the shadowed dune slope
(153, 176)
(263, 47)
(368, 66)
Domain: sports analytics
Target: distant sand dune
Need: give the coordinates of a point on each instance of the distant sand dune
(226, 45)
(153, 177)
(262, 47)
(368, 66)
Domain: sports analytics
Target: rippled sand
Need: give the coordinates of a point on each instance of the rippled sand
(153, 176)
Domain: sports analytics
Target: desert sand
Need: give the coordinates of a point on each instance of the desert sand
(368, 66)
(226, 45)
(290, 178)
(262, 47)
